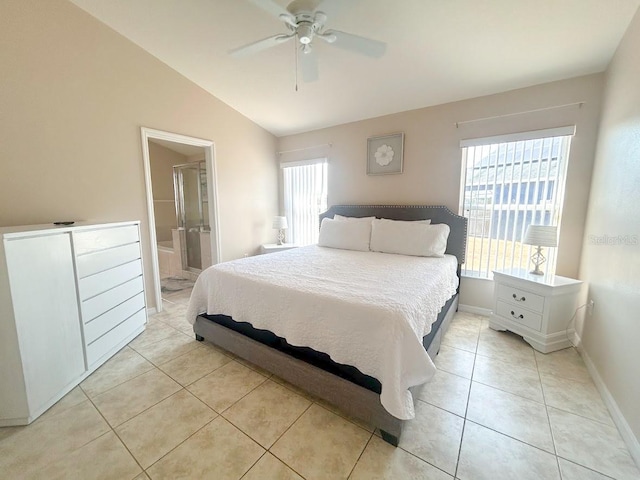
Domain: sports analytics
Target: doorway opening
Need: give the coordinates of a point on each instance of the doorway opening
(181, 186)
(192, 217)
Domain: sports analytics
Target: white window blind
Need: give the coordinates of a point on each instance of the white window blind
(509, 183)
(305, 197)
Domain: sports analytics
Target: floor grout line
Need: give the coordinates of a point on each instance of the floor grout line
(283, 434)
(199, 378)
(118, 436)
(266, 452)
(466, 411)
(507, 391)
(171, 450)
(355, 464)
(119, 384)
(583, 466)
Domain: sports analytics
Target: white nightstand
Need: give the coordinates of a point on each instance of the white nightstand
(274, 247)
(538, 307)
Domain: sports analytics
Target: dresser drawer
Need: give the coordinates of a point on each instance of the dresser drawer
(112, 318)
(96, 306)
(93, 240)
(101, 282)
(520, 298)
(97, 262)
(519, 315)
(106, 343)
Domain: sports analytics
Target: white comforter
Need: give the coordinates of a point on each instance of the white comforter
(365, 309)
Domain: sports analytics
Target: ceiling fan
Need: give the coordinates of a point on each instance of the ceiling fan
(306, 23)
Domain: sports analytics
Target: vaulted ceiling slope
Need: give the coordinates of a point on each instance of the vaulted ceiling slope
(438, 51)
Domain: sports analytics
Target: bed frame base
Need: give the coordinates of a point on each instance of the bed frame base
(391, 439)
(352, 399)
(386, 436)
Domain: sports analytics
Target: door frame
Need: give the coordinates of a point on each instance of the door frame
(212, 192)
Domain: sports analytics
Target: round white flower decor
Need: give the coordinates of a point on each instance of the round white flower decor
(384, 155)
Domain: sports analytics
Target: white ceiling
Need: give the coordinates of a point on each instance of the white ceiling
(438, 51)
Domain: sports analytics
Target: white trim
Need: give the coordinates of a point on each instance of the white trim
(519, 137)
(616, 414)
(471, 309)
(151, 311)
(576, 340)
(212, 187)
(300, 163)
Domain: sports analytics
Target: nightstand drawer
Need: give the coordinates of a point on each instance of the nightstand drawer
(520, 298)
(519, 315)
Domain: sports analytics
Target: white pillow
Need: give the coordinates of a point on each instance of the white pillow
(426, 222)
(345, 235)
(409, 238)
(352, 219)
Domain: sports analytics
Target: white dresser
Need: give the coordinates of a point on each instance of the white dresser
(537, 307)
(70, 297)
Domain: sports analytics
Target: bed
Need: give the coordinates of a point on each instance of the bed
(371, 382)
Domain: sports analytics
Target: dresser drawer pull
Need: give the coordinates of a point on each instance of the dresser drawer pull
(521, 299)
(513, 314)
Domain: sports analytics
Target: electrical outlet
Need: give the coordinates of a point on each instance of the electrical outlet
(590, 306)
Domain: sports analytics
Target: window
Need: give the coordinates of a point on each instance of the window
(508, 183)
(305, 197)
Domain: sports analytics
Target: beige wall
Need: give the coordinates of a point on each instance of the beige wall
(611, 335)
(432, 160)
(73, 97)
(162, 160)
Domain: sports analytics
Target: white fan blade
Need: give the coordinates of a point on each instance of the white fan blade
(355, 43)
(297, 6)
(308, 66)
(272, 8)
(260, 45)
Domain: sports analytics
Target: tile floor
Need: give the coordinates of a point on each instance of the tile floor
(168, 407)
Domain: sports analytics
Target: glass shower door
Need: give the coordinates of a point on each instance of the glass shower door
(189, 189)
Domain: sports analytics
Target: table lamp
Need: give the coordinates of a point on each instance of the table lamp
(541, 236)
(280, 224)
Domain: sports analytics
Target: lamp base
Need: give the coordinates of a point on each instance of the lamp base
(538, 259)
(280, 237)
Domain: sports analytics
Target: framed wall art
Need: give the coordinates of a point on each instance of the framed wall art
(384, 154)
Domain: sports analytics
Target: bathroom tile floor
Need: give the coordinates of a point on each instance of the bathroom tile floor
(168, 407)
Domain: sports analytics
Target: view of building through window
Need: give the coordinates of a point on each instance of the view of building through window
(506, 187)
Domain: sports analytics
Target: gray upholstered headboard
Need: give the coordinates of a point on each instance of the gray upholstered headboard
(437, 213)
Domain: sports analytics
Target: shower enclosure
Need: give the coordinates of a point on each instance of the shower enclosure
(192, 212)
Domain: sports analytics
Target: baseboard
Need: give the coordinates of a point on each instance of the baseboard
(151, 311)
(618, 418)
(577, 341)
(477, 310)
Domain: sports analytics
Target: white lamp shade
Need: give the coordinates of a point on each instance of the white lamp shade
(280, 223)
(541, 235)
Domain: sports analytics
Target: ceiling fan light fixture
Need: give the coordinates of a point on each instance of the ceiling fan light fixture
(305, 33)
